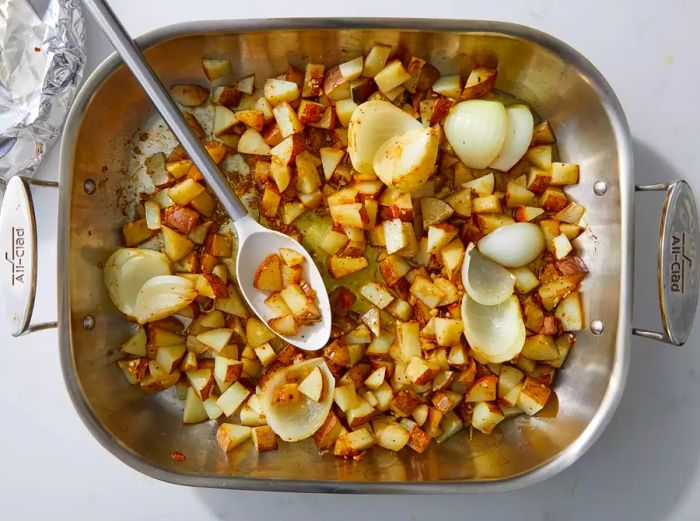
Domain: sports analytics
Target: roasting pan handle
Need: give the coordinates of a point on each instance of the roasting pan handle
(678, 270)
(19, 259)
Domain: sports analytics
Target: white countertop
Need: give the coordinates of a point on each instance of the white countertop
(646, 464)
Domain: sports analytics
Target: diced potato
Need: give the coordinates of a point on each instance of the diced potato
(540, 347)
(538, 180)
(571, 213)
(427, 292)
(393, 268)
(330, 159)
(525, 280)
(278, 91)
(405, 402)
(452, 256)
(450, 86)
(483, 390)
(439, 236)
(313, 80)
(421, 371)
(542, 134)
(553, 292)
(561, 246)
(189, 95)
(136, 345)
(285, 326)
(564, 174)
(312, 385)
(286, 393)
(216, 339)
(393, 437)
(344, 109)
(570, 312)
(352, 69)
(408, 338)
(377, 294)
(252, 142)
(298, 302)
(540, 156)
(230, 436)
(376, 378)
(486, 416)
(263, 438)
(486, 204)
(553, 200)
(176, 246)
(194, 411)
(527, 213)
(434, 211)
(340, 267)
(533, 396)
(265, 354)
(227, 96)
(231, 400)
(517, 196)
(326, 435)
(226, 371)
(398, 235)
(353, 215)
(257, 333)
(479, 83)
(345, 397)
(136, 232)
(287, 120)
(268, 275)
(360, 414)
(392, 75)
(448, 331)
(375, 60)
(353, 443)
(216, 68)
(482, 186)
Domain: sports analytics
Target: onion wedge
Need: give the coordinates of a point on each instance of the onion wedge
(495, 333)
(127, 270)
(486, 281)
(513, 245)
(299, 420)
(477, 129)
(371, 124)
(407, 161)
(163, 296)
(518, 137)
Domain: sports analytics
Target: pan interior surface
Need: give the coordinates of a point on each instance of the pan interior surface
(102, 144)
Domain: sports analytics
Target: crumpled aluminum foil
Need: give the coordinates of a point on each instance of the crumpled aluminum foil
(42, 56)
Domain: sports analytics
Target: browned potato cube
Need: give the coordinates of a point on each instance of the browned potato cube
(418, 439)
(180, 218)
(479, 83)
(268, 275)
(405, 402)
(136, 232)
(327, 433)
(264, 438)
(286, 394)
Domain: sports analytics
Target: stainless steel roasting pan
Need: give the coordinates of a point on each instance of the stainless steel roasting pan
(561, 86)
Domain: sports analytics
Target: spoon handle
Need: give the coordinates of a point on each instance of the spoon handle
(130, 53)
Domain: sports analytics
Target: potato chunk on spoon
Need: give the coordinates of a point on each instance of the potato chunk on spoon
(255, 241)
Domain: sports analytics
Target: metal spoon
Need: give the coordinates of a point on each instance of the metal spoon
(255, 241)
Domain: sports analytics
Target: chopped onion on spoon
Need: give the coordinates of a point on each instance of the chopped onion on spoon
(484, 280)
(476, 130)
(518, 137)
(495, 333)
(513, 245)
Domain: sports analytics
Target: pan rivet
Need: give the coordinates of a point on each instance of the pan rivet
(88, 322)
(89, 186)
(597, 327)
(600, 187)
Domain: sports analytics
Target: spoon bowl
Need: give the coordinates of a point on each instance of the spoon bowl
(255, 242)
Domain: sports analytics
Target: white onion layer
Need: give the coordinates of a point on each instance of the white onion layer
(513, 245)
(476, 130)
(518, 137)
